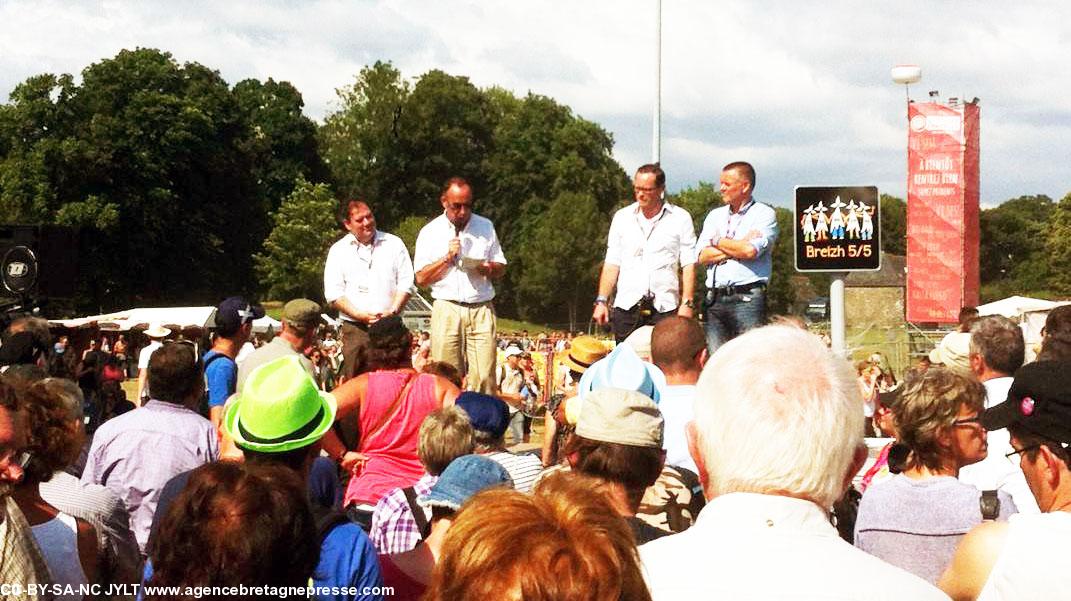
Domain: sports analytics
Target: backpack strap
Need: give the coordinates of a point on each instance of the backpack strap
(327, 519)
(419, 516)
(989, 503)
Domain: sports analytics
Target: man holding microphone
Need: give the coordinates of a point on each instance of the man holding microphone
(457, 255)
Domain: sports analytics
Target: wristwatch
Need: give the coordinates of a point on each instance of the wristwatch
(689, 303)
(600, 300)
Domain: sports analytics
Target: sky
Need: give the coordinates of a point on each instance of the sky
(800, 89)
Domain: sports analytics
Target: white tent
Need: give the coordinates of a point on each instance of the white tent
(1014, 307)
(171, 317)
(1031, 314)
(266, 323)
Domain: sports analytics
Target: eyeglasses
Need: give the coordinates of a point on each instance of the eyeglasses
(1011, 456)
(646, 190)
(457, 206)
(968, 421)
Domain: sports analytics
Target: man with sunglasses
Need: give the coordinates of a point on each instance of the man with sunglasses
(1024, 558)
(458, 255)
(650, 259)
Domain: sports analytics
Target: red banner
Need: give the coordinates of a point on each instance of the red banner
(942, 211)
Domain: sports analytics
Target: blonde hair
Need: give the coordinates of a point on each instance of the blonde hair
(574, 547)
(928, 405)
(445, 435)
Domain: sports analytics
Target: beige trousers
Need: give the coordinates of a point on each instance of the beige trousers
(464, 336)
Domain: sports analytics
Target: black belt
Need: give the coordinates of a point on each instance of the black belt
(469, 305)
(738, 289)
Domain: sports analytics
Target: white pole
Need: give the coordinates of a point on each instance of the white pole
(836, 314)
(656, 134)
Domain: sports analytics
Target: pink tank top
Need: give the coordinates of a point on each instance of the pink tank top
(392, 451)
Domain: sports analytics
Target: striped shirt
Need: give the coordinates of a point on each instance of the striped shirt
(523, 469)
(101, 508)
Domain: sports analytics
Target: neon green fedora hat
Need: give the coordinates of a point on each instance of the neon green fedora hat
(279, 409)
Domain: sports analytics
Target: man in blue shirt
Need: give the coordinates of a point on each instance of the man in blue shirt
(736, 244)
(234, 326)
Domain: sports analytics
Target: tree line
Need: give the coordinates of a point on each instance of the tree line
(186, 189)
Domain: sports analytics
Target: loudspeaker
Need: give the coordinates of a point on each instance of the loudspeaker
(38, 261)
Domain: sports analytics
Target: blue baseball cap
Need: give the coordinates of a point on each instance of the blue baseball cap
(486, 413)
(235, 312)
(624, 369)
(463, 478)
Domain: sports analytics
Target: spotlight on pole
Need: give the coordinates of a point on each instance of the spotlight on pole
(907, 75)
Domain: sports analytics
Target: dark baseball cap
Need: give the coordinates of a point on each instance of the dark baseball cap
(235, 312)
(1039, 401)
(486, 413)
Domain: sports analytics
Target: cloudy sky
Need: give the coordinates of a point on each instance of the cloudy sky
(800, 89)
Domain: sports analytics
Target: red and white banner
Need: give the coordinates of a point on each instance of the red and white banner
(942, 211)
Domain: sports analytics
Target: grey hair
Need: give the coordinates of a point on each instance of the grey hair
(778, 412)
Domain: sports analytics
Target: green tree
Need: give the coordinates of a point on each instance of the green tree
(893, 220)
(282, 140)
(699, 201)
(1058, 246)
(292, 262)
(360, 141)
(1014, 247)
(562, 258)
(780, 294)
(169, 173)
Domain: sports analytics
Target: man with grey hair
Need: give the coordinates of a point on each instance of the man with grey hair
(777, 437)
(997, 350)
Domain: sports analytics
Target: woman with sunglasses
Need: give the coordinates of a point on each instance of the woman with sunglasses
(915, 519)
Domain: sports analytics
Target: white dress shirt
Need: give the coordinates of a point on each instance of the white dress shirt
(650, 254)
(752, 546)
(478, 242)
(368, 275)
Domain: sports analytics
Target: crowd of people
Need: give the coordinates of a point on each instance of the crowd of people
(686, 460)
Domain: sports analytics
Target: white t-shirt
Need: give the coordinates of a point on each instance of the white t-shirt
(143, 357)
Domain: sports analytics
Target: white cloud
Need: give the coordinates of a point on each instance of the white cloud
(802, 89)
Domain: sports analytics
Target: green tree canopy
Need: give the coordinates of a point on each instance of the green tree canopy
(168, 172)
(292, 262)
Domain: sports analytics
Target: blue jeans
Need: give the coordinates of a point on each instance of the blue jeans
(729, 315)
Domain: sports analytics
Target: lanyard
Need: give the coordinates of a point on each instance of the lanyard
(371, 252)
(639, 224)
(730, 226)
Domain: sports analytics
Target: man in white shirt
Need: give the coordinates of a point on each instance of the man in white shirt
(458, 255)
(679, 349)
(997, 350)
(650, 258)
(777, 437)
(156, 334)
(737, 244)
(367, 276)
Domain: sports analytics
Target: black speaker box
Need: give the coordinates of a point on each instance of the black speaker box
(56, 251)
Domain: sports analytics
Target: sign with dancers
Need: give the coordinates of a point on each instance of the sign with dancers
(837, 228)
